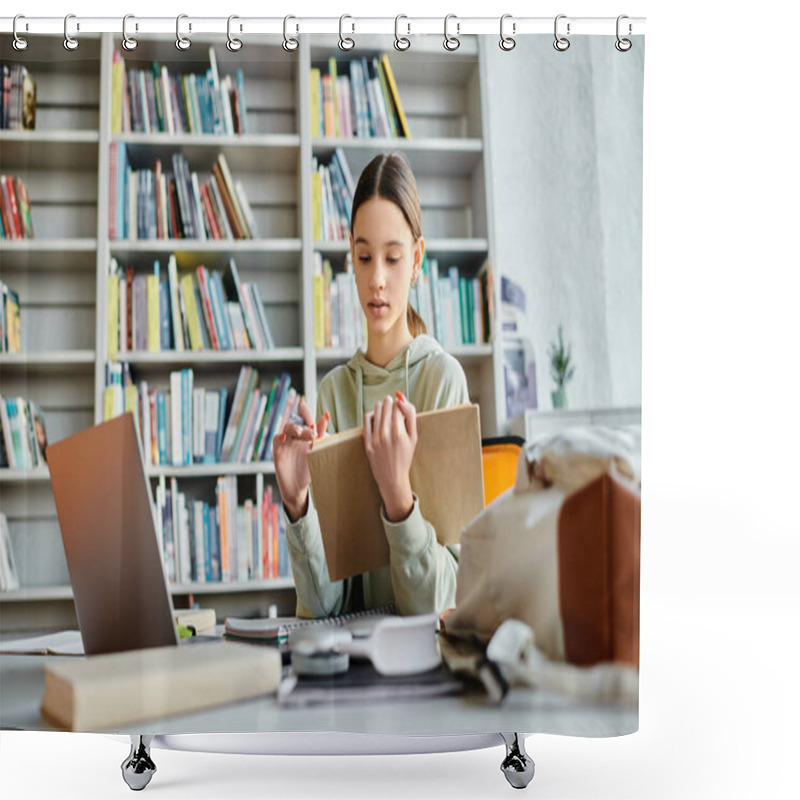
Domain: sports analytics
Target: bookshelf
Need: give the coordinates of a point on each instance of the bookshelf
(62, 274)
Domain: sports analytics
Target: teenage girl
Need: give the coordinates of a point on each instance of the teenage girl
(403, 371)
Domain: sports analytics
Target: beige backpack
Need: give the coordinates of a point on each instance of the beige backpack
(548, 575)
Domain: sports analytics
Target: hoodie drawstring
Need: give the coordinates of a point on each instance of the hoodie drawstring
(360, 382)
(355, 363)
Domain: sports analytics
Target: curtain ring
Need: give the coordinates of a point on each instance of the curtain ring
(451, 43)
(561, 43)
(401, 43)
(128, 42)
(19, 43)
(289, 42)
(507, 42)
(345, 42)
(70, 42)
(233, 44)
(623, 45)
(182, 42)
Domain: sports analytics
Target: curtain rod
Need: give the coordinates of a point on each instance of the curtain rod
(349, 25)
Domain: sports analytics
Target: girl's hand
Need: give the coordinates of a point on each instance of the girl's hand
(390, 437)
(290, 454)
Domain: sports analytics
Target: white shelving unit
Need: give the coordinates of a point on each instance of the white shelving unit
(61, 275)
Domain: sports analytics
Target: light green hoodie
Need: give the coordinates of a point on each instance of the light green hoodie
(421, 576)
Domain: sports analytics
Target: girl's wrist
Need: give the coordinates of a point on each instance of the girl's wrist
(298, 508)
(399, 506)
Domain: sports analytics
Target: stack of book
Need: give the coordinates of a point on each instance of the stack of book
(332, 190)
(153, 100)
(24, 438)
(186, 424)
(10, 321)
(453, 307)
(151, 204)
(178, 426)
(15, 209)
(339, 320)
(256, 416)
(207, 310)
(358, 99)
(17, 98)
(223, 542)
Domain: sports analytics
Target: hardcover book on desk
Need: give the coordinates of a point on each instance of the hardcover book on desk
(191, 217)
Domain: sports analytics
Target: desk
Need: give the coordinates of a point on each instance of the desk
(528, 710)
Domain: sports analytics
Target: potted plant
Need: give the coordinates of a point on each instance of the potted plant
(561, 369)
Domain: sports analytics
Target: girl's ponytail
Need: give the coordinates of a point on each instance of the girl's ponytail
(416, 325)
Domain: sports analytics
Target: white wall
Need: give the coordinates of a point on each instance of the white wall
(565, 138)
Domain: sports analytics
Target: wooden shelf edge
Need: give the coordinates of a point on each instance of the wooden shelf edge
(56, 593)
(35, 475)
(210, 357)
(266, 140)
(449, 144)
(221, 245)
(212, 470)
(45, 245)
(44, 136)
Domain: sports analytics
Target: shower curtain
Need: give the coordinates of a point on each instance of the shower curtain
(176, 245)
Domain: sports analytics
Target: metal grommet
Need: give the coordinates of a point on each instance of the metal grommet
(451, 43)
(233, 44)
(401, 43)
(345, 42)
(290, 44)
(128, 42)
(561, 43)
(19, 43)
(507, 42)
(70, 42)
(182, 42)
(623, 45)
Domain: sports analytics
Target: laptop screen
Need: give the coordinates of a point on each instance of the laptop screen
(105, 511)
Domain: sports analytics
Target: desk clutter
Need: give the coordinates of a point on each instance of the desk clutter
(359, 657)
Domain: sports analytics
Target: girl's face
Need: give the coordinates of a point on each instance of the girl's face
(385, 261)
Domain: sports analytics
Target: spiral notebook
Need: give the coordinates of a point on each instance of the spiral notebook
(278, 628)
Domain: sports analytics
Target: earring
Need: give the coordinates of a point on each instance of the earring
(413, 283)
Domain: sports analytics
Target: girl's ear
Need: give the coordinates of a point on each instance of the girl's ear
(419, 252)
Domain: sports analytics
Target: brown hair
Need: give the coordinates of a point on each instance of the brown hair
(389, 176)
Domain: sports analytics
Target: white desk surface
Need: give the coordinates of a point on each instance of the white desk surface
(532, 711)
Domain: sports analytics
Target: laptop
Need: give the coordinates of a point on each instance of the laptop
(106, 513)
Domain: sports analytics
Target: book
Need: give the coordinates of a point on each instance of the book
(395, 95)
(63, 643)
(201, 619)
(84, 694)
(257, 305)
(446, 476)
(9, 579)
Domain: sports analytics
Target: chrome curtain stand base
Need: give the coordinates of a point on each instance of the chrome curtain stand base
(517, 766)
(138, 768)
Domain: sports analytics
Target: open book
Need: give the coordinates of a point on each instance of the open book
(446, 476)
